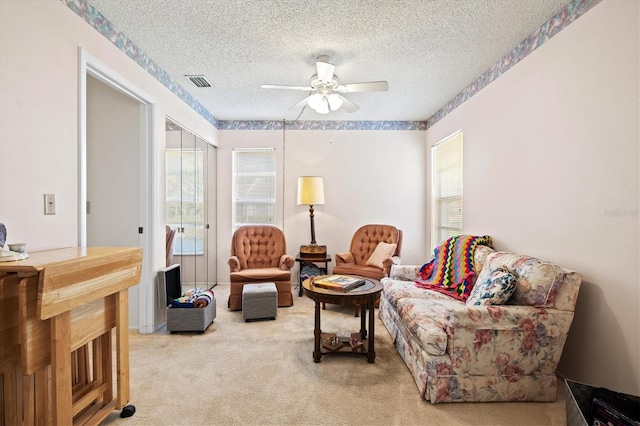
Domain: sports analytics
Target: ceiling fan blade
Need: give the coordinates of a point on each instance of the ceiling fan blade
(279, 86)
(325, 70)
(300, 104)
(348, 105)
(370, 86)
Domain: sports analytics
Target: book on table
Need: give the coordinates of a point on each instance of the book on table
(339, 282)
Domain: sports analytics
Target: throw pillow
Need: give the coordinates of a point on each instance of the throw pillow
(382, 251)
(493, 288)
(538, 281)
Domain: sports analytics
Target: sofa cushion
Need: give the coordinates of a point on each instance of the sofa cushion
(492, 287)
(404, 272)
(382, 251)
(394, 290)
(480, 256)
(537, 280)
(424, 319)
(360, 270)
(260, 274)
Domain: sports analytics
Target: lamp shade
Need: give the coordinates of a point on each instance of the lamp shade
(310, 190)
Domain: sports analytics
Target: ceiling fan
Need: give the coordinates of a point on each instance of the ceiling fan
(326, 89)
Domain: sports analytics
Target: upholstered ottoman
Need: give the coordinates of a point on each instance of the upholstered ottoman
(259, 301)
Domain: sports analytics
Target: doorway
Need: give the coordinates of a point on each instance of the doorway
(115, 186)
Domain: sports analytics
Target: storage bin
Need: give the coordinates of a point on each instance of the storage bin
(191, 319)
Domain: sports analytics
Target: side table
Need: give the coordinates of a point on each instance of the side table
(316, 260)
(364, 296)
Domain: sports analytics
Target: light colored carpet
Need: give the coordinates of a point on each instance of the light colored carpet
(262, 373)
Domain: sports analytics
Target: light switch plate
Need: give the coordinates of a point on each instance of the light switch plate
(49, 204)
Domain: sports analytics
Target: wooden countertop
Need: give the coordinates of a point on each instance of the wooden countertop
(76, 275)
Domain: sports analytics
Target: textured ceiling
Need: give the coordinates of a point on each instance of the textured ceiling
(428, 50)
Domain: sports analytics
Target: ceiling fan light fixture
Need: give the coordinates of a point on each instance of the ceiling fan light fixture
(322, 85)
(335, 101)
(314, 100)
(323, 108)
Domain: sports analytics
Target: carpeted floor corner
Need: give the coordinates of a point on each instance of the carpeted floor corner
(262, 373)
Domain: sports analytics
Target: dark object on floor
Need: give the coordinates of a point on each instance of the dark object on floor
(128, 411)
(610, 407)
(586, 405)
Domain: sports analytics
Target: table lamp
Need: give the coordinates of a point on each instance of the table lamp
(311, 192)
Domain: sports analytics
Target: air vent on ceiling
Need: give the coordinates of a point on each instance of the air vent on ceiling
(199, 80)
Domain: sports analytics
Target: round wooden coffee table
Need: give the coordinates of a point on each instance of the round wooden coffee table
(361, 343)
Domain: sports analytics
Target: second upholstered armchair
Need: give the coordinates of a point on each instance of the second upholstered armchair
(258, 255)
(374, 248)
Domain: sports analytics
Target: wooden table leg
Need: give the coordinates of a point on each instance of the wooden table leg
(371, 353)
(61, 369)
(122, 347)
(363, 320)
(316, 334)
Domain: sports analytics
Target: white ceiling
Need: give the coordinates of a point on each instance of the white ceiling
(428, 50)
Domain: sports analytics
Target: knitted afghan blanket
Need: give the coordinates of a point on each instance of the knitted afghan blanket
(194, 298)
(451, 270)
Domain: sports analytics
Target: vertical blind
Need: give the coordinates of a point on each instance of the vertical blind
(254, 187)
(446, 190)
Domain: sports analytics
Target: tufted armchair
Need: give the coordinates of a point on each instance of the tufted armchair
(170, 237)
(363, 244)
(259, 254)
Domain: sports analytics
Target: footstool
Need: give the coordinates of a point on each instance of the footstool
(259, 301)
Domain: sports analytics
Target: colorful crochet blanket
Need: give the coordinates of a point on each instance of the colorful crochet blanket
(195, 298)
(451, 269)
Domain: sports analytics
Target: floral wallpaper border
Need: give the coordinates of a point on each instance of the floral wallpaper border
(322, 125)
(558, 22)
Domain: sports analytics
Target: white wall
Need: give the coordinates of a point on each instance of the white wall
(39, 108)
(39, 120)
(369, 177)
(551, 170)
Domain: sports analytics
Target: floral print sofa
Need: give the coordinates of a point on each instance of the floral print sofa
(457, 351)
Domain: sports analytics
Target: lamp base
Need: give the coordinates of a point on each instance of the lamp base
(313, 250)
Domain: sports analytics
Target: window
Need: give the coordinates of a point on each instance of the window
(446, 189)
(185, 199)
(254, 187)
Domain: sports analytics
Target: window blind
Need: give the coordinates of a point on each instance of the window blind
(254, 186)
(446, 190)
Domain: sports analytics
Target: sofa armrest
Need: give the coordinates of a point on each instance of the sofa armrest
(286, 262)
(404, 272)
(234, 264)
(388, 262)
(506, 340)
(342, 258)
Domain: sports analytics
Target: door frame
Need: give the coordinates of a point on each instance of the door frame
(87, 64)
